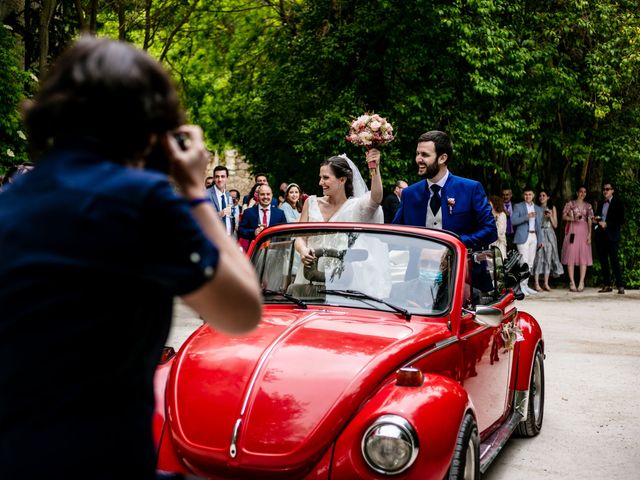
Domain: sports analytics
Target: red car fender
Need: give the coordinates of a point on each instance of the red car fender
(167, 458)
(435, 410)
(532, 334)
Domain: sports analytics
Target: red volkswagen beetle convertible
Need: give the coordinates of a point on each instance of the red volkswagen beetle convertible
(396, 353)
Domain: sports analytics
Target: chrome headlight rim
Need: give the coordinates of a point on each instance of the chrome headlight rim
(409, 432)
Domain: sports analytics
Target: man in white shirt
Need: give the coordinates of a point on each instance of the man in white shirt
(221, 199)
(527, 222)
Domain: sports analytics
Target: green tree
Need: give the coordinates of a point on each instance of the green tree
(14, 81)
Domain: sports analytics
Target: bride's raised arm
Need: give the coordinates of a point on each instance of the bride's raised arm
(373, 155)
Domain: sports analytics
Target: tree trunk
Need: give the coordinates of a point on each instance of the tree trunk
(147, 25)
(46, 14)
(93, 16)
(122, 23)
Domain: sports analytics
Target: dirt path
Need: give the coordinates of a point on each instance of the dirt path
(591, 424)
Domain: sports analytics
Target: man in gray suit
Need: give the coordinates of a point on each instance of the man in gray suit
(221, 199)
(527, 222)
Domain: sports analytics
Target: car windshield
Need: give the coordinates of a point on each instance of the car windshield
(375, 270)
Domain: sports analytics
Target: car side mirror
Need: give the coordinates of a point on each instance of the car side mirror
(490, 316)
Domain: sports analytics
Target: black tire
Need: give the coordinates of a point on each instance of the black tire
(530, 426)
(466, 457)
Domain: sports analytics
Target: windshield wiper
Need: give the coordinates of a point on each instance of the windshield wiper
(296, 300)
(359, 294)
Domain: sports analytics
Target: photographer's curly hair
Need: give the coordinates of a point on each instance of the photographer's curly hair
(340, 168)
(105, 94)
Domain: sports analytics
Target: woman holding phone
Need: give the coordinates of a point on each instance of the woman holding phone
(547, 262)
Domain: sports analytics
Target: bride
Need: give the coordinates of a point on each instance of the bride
(346, 199)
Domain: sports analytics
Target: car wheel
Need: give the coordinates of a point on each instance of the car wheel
(466, 458)
(530, 426)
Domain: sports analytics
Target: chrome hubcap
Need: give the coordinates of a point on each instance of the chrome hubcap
(536, 388)
(470, 461)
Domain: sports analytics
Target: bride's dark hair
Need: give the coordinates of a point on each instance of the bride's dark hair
(340, 168)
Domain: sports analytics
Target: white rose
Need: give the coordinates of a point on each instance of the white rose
(375, 125)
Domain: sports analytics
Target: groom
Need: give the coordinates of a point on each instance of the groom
(444, 201)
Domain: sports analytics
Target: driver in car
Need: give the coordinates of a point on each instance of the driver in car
(429, 291)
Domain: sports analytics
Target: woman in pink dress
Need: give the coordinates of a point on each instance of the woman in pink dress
(576, 247)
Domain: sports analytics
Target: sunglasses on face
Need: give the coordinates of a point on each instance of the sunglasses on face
(607, 188)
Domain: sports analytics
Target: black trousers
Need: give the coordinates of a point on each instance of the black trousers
(608, 255)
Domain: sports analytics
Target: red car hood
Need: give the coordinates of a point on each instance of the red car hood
(289, 386)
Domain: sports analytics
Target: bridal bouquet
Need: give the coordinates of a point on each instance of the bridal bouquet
(370, 131)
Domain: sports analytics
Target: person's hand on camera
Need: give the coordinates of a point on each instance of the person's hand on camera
(189, 160)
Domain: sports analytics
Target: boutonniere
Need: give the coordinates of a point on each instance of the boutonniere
(451, 202)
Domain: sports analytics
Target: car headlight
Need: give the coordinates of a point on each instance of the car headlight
(390, 445)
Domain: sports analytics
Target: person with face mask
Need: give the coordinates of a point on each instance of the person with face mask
(444, 201)
(429, 290)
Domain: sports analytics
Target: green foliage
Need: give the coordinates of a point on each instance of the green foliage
(13, 82)
(543, 93)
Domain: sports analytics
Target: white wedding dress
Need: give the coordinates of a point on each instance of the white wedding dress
(371, 276)
(361, 209)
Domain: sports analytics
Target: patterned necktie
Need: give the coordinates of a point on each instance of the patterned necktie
(434, 203)
(264, 216)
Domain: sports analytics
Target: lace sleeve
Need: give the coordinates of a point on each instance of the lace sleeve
(367, 211)
(501, 225)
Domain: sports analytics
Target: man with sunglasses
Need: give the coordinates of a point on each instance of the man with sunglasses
(609, 218)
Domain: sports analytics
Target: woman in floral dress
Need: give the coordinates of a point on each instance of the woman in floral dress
(547, 262)
(576, 247)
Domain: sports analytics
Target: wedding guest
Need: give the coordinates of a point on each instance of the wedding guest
(547, 262)
(14, 172)
(208, 182)
(392, 201)
(235, 208)
(507, 194)
(260, 216)
(445, 201)
(292, 205)
(527, 222)
(609, 218)
(497, 208)
(221, 199)
(576, 247)
(95, 246)
(251, 198)
(281, 193)
(260, 179)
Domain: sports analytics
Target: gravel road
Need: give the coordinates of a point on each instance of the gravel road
(591, 424)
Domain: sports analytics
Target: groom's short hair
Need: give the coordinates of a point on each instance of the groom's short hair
(441, 141)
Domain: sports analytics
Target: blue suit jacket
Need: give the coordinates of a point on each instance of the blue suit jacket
(470, 217)
(520, 222)
(251, 220)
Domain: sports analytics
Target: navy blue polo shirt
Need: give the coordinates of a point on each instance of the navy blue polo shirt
(92, 254)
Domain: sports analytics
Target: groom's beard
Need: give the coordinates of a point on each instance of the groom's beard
(431, 171)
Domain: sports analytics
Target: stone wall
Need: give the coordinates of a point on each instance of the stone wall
(240, 177)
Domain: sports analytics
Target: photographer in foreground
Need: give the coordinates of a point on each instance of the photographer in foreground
(94, 245)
